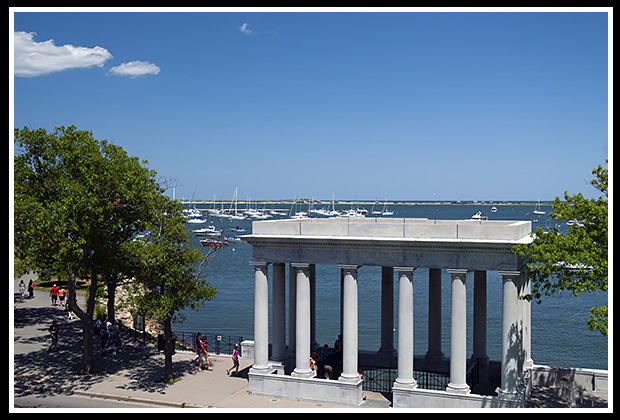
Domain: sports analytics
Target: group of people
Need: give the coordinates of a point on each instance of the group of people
(22, 288)
(328, 362)
(203, 355)
(109, 335)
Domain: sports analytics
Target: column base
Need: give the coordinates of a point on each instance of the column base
(260, 369)
(462, 389)
(303, 373)
(405, 384)
(350, 379)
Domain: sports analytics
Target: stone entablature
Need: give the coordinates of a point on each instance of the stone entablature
(468, 244)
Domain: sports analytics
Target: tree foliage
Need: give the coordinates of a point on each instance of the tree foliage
(79, 204)
(574, 261)
(168, 272)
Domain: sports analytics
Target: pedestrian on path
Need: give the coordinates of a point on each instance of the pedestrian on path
(22, 287)
(61, 296)
(31, 289)
(197, 346)
(204, 354)
(54, 294)
(53, 330)
(235, 359)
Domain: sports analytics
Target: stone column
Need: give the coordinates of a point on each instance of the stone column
(313, 342)
(387, 311)
(480, 323)
(292, 308)
(458, 333)
(405, 378)
(279, 312)
(261, 318)
(527, 322)
(302, 342)
(511, 334)
(434, 353)
(349, 325)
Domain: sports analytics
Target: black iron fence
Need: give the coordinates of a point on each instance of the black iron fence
(382, 379)
(216, 343)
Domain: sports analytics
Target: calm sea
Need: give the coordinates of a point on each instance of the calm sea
(560, 336)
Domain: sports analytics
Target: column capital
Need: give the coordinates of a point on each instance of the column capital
(300, 265)
(259, 264)
(457, 271)
(405, 269)
(509, 274)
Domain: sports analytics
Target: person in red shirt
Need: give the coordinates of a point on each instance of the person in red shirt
(54, 295)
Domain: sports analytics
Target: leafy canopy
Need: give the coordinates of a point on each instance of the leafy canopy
(575, 261)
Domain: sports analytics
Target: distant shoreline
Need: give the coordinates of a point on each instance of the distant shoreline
(370, 203)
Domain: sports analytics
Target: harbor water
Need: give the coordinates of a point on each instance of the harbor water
(560, 336)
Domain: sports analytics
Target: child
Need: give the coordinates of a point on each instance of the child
(235, 359)
(204, 354)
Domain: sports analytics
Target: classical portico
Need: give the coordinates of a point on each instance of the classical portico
(464, 249)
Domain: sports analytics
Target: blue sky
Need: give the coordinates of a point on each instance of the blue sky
(406, 105)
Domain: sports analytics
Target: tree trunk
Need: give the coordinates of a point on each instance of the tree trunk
(168, 349)
(88, 358)
(111, 284)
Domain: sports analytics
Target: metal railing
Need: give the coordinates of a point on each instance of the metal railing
(382, 379)
(216, 343)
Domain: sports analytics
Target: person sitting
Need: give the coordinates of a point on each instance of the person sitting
(331, 365)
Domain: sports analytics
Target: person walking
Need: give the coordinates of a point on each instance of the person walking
(53, 330)
(204, 354)
(54, 294)
(235, 360)
(22, 287)
(61, 296)
(31, 289)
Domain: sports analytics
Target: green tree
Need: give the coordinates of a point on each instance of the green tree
(575, 261)
(168, 273)
(77, 201)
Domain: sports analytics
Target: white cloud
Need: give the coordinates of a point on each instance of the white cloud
(245, 30)
(39, 58)
(135, 69)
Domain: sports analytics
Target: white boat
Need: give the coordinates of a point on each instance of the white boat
(477, 216)
(537, 209)
(386, 212)
(196, 220)
(235, 215)
(208, 231)
(493, 209)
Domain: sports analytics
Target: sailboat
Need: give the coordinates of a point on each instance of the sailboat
(386, 212)
(235, 215)
(537, 209)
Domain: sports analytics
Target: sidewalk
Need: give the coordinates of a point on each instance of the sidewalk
(132, 374)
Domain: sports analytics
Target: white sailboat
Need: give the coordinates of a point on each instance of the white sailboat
(537, 209)
(235, 215)
(386, 212)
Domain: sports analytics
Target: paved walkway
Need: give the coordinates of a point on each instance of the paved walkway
(132, 374)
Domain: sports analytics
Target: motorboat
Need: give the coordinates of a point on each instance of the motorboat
(477, 216)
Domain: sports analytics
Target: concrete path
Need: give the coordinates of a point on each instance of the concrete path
(132, 374)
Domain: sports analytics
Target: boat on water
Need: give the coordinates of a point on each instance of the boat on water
(208, 231)
(537, 209)
(212, 242)
(478, 216)
(493, 209)
(196, 220)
